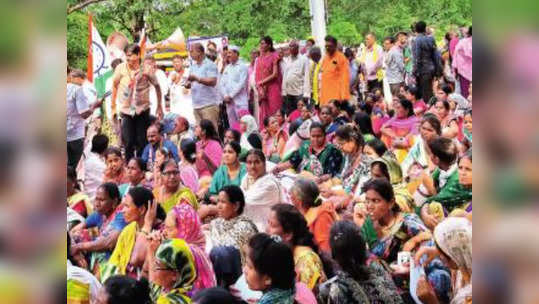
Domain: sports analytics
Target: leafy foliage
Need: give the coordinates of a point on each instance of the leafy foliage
(245, 21)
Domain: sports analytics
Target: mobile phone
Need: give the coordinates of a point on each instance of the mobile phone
(404, 257)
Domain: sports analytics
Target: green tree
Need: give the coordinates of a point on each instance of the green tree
(345, 32)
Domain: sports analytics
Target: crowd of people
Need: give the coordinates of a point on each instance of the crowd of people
(303, 176)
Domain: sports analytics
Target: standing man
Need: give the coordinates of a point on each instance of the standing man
(78, 109)
(131, 85)
(354, 74)
(202, 80)
(424, 57)
(295, 78)
(180, 97)
(335, 74)
(314, 71)
(402, 41)
(233, 87)
(394, 62)
(371, 63)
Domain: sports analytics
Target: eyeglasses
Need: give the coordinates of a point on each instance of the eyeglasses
(171, 173)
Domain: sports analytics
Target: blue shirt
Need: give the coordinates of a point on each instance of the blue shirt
(77, 103)
(149, 149)
(203, 95)
(96, 220)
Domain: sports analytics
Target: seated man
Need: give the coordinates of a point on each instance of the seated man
(156, 141)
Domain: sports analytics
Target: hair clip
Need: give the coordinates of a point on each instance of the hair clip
(276, 238)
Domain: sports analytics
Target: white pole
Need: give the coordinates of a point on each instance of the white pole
(318, 22)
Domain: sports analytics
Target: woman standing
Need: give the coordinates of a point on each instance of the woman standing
(261, 190)
(268, 79)
(173, 191)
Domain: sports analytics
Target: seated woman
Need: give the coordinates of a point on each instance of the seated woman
(419, 155)
(77, 200)
(231, 135)
(82, 286)
(398, 132)
(250, 137)
(209, 149)
(387, 167)
(123, 289)
(466, 142)
(448, 121)
(326, 119)
(356, 282)
(98, 235)
(182, 222)
(453, 243)
(141, 214)
(316, 156)
(451, 196)
(261, 190)
(115, 172)
(173, 191)
(161, 155)
(274, 140)
(135, 176)
(356, 168)
(231, 228)
(283, 123)
(231, 172)
(375, 148)
(270, 269)
(414, 96)
(187, 167)
(216, 295)
(288, 223)
(319, 216)
(172, 271)
(388, 231)
(363, 121)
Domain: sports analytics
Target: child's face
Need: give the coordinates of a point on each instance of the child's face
(305, 114)
(468, 122)
(378, 93)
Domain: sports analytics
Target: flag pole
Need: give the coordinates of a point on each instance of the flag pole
(90, 65)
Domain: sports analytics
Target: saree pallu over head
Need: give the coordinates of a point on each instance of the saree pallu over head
(176, 255)
(403, 128)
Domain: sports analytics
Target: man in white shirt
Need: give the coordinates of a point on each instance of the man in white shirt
(181, 102)
(295, 78)
(94, 164)
(233, 87)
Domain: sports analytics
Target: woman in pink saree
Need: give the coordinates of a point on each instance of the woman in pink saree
(268, 79)
(398, 133)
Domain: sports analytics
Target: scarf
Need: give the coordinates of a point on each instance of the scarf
(251, 127)
(278, 296)
(176, 255)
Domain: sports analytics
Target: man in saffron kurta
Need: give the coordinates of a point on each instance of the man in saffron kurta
(334, 82)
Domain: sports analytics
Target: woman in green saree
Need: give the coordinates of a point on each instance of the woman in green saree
(172, 190)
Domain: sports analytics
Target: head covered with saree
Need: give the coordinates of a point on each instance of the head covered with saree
(176, 255)
(454, 237)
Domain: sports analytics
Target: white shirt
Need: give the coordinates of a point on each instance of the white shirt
(163, 84)
(84, 276)
(181, 102)
(296, 76)
(233, 83)
(94, 169)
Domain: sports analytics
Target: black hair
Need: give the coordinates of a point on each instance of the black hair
(433, 121)
(468, 112)
(381, 186)
(189, 150)
(159, 126)
(112, 191)
(390, 38)
(235, 146)
(274, 259)
(235, 196)
(348, 248)
(166, 163)
(255, 141)
(69, 255)
(317, 125)
(209, 129)
(377, 145)
(141, 196)
(414, 91)
(405, 103)
(446, 88)
(292, 221)
(133, 49)
(100, 143)
(383, 168)
(349, 132)
(71, 174)
(444, 148)
(308, 192)
(258, 153)
(269, 42)
(467, 154)
(140, 163)
(348, 53)
(365, 107)
(235, 133)
(215, 295)
(445, 104)
(363, 122)
(123, 289)
(113, 150)
(470, 31)
(265, 122)
(331, 39)
(420, 27)
(115, 63)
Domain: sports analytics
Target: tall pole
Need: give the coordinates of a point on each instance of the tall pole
(318, 21)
